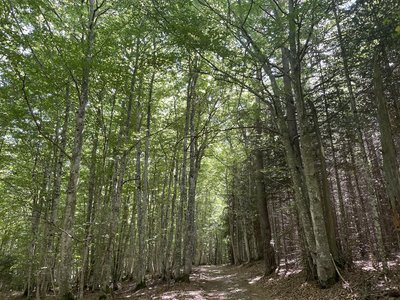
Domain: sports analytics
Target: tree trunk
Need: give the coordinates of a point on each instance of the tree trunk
(290, 137)
(190, 231)
(232, 231)
(141, 207)
(90, 211)
(35, 221)
(343, 213)
(142, 227)
(325, 268)
(173, 205)
(362, 239)
(327, 205)
(243, 225)
(50, 260)
(262, 205)
(390, 163)
(66, 247)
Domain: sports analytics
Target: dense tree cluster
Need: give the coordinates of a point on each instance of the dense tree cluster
(144, 137)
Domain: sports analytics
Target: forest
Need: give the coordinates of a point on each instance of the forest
(199, 149)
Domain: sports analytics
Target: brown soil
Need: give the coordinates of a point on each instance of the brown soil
(246, 282)
(206, 282)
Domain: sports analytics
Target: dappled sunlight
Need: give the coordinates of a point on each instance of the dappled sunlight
(247, 282)
(215, 294)
(290, 272)
(255, 280)
(371, 265)
(195, 295)
(199, 294)
(216, 278)
(365, 265)
(210, 282)
(237, 290)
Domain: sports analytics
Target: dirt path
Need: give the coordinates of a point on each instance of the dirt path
(246, 282)
(207, 282)
(226, 283)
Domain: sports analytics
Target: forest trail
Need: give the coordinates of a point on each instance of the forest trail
(246, 282)
(208, 282)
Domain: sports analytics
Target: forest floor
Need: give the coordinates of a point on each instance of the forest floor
(246, 282)
(207, 282)
(225, 282)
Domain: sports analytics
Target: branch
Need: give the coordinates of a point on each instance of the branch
(247, 14)
(36, 121)
(280, 8)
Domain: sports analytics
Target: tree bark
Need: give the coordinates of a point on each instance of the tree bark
(290, 138)
(190, 231)
(141, 207)
(183, 199)
(390, 163)
(50, 260)
(343, 213)
(142, 227)
(173, 205)
(69, 214)
(262, 205)
(325, 268)
(90, 211)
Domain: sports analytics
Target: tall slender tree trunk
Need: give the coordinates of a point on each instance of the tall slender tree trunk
(183, 185)
(173, 205)
(90, 211)
(35, 220)
(142, 217)
(343, 213)
(262, 205)
(325, 268)
(164, 211)
(141, 207)
(390, 163)
(190, 230)
(325, 190)
(66, 246)
(357, 216)
(380, 187)
(235, 259)
(243, 226)
(290, 137)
